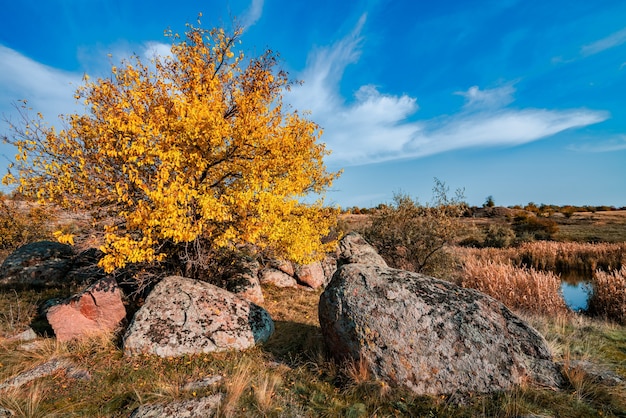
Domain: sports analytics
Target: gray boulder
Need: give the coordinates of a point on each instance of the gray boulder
(184, 316)
(41, 264)
(354, 249)
(429, 335)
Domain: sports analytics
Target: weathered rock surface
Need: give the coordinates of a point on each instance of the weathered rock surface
(311, 275)
(429, 335)
(245, 282)
(194, 408)
(45, 369)
(354, 249)
(285, 266)
(184, 316)
(276, 278)
(99, 309)
(43, 263)
(329, 265)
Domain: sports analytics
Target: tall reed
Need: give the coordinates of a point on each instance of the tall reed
(608, 298)
(522, 289)
(557, 256)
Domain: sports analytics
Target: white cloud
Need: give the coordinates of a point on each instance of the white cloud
(617, 143)
(492, 98)
(157, 49)
(48, 90)
(252, 14)
(375, 127)
(611, 41)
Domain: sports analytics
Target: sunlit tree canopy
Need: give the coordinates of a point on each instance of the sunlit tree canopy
(196, 145)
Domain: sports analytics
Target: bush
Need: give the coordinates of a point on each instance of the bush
(193, 147)
(529, 227)
(23, 222)
(499, 236)
(412, 237)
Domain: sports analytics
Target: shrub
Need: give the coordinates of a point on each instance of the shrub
(195, 146)
(412, 237)
(23, 222)
(499, 236)
(529, 227)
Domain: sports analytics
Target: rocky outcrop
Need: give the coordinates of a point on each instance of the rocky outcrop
(429, 335)
(99, 309)
(354, 249)
(193, 408)
(184, 316)
(39, 264)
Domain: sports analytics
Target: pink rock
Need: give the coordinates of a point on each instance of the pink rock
(276, 278)
(99, 309)
(311, 275)
(284, 266)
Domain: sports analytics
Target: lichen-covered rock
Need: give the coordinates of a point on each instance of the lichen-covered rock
(276, 278)
(311, 275)
(429, 335)
(43, 263)
(354, 249)
(184, 316)
(205, 407)
(99, 309)
(329, 265)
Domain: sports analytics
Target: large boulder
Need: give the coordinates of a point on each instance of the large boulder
(40, 264)
(354, 249)
(429, 335)
(97, 310)
(185, 316)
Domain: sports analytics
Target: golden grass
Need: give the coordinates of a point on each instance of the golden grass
(608, 298)
(558, 256)
(521, 289)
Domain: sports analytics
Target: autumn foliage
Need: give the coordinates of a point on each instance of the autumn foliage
(194, 147)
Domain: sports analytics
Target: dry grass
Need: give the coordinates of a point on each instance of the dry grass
(608, 298)
(521, 289)
(557, 256)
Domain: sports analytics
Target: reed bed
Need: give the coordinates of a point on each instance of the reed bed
(608, 298)
(558, 256)
(521, 289)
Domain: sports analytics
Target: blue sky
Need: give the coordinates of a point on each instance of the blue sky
(521, 100)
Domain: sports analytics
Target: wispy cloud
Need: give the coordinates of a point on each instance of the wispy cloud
(252, 14)
(611, 41)
(374, 127)
(493, 98)
(48, 90)
(618, 143)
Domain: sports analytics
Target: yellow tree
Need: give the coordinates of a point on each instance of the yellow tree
(192, 147)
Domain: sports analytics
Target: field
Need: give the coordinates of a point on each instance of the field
(291, 374)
